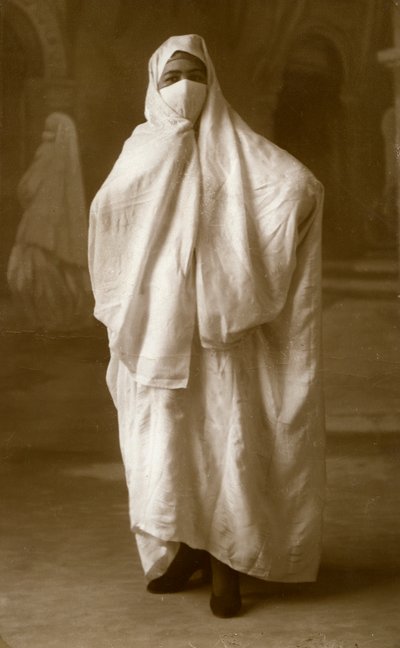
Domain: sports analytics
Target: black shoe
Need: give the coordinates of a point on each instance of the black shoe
(185, 564)
(226, 606)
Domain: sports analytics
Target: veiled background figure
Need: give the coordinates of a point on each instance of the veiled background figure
(47, 270)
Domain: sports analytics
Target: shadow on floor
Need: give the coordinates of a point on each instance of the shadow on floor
(330, 584)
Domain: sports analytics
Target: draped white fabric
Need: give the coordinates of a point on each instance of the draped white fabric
(48, 268)
(205, 264)
(52, 195)
(236, 198)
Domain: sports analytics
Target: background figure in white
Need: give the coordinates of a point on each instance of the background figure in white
(47, 270)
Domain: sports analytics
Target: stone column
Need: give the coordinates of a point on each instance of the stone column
(391, 58)
(354, 194)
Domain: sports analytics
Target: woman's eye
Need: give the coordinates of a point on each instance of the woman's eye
(171, 79)
(197, 76)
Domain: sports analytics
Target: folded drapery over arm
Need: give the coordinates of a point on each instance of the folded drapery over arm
(258, 276)
(106, 272)
(141, 252)
(242, 203)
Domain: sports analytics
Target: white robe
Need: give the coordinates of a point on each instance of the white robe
(48, 270)
(205, 266)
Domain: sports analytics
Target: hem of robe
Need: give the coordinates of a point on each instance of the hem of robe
(307, 574)
(49, 292)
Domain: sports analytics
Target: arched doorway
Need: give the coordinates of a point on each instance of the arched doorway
(34, 83)
(309, 124)
(22, 59)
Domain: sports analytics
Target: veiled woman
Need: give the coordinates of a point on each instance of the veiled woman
(47, 270)
(205, 265)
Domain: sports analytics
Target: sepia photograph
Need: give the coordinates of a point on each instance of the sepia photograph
(199, 324)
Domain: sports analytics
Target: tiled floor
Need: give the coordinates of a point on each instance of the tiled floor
(70, 576)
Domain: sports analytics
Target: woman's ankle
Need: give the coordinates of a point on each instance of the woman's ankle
(225, 598)
(225, 580)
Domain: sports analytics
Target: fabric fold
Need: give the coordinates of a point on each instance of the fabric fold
(228, 194)
(205, 264)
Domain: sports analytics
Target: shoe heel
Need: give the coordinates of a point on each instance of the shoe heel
(225, 607)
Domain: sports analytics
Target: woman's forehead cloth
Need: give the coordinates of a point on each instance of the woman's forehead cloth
(186, 45)
(180, 54)
(189, 61)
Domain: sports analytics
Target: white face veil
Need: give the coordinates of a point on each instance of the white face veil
(186, 98)
(156, 110)
(251, 212)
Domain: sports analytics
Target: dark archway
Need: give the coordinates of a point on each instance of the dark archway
(309, 124)
(35, 83)
(22, 59)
